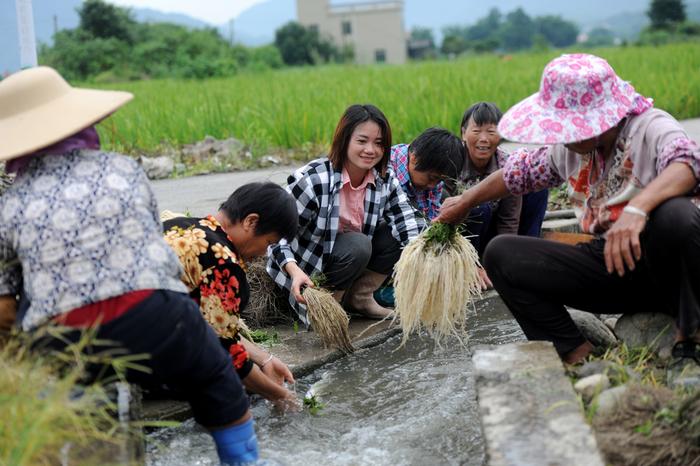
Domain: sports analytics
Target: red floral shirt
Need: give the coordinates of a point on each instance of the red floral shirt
(215, 277)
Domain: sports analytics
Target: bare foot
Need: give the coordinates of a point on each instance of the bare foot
(579, 353)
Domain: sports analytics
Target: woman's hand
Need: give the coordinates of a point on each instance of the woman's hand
(452, 210)
(299, 281)
(278, 371)
(257, 382)
(622, 245)
(484, 279)
(289, 403)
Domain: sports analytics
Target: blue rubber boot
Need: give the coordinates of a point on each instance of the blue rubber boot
(385, 296)
(237, 445)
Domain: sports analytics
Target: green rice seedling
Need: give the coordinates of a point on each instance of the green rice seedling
(435, 280)
(313, 404)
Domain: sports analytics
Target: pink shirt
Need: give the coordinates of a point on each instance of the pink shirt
(352, 203)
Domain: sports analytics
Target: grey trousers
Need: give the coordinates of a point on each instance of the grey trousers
(354, 252)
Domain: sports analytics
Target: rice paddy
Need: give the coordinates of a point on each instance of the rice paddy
(298, 108)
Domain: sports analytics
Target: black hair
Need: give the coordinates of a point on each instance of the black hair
(439, 151)
(275, 207)
(483, 113)
(354, 116)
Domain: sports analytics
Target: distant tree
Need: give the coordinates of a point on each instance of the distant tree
(600, 37)
(517, 31)
(666, 13)
(300, 45)
(485, 28)
(78, 55)
(453, 41)
(105, 21)
(557, 31)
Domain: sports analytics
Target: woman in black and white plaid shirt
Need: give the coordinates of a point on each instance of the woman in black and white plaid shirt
(353, 217)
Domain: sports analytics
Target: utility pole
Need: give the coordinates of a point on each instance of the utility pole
(25, 29)
(55, 25)
(230, 32)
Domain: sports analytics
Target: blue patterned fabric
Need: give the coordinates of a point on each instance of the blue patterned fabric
(79, 228)
(427, 201)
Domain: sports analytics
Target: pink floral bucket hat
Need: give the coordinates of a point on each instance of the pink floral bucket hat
(580, 98)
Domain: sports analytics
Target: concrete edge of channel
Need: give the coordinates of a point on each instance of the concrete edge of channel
(529, 412)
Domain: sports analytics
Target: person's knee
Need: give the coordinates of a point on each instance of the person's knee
(357, 251)
(675, 220)
(496, 255)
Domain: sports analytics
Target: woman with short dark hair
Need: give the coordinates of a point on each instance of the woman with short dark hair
(353, 217)
(213, 251)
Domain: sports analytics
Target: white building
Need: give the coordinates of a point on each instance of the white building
(373, 29)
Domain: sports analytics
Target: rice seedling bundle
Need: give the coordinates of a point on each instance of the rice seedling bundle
(434, 281)
(328, 319)
(265, 305)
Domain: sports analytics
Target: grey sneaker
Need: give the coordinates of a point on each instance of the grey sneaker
(684, 369)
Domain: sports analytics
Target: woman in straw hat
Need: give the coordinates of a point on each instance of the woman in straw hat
(81, 240)
(632, 172)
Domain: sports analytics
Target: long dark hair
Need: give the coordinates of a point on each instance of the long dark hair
(354, 116)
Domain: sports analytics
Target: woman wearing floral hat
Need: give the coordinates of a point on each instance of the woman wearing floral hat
(633, 175)
(81, 240)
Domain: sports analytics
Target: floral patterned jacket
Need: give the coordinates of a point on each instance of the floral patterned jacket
(599, 189)
(215, 277)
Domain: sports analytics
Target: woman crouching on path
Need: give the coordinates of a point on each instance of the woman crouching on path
(81, 240)
(633, 173)
(353, 218)
(213, 251)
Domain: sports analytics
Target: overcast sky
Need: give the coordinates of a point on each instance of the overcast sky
(213, 11)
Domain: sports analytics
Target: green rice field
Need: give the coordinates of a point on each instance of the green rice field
(294, 107)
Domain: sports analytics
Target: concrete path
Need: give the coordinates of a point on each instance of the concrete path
(201, 195)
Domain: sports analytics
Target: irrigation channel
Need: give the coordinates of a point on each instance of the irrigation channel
(382, 406)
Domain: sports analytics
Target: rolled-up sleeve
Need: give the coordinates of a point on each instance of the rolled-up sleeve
(528, 170)
(680, 150)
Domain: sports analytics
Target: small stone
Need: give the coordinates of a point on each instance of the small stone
(593, 329)
(650, 329)
(269, 160)
(157, 168)
(610, 323)
(609, 399)
(589, 386)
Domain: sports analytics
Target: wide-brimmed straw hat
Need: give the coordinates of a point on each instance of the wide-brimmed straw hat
(580, 97)
(39, 108)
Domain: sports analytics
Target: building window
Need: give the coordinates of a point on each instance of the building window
(347, 28)
(380, 55)
(313, 28)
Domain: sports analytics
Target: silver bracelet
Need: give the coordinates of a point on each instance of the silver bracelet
(635, 211)
(269, 358)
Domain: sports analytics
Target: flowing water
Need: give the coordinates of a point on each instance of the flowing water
(382, 406)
